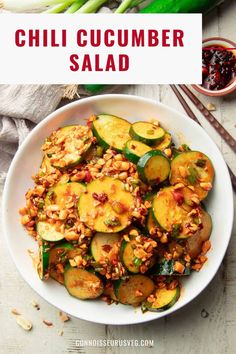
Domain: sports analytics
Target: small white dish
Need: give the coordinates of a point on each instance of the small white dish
(27, 160)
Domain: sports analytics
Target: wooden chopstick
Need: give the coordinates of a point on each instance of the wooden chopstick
(193, 116)
(210, 118)
(184, 104)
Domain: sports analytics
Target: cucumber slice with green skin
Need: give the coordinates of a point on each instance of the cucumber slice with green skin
(111, 131)
(147, 133)
(43, 263)
(192, 168)
(127, 256)
(194, 243)
(46, 167)
(74, 140)
(165, 299)
(130, 261)
(60, 254)
(153, 167)
(109, 291)
(102, 243)
(149, 196)
(166, 267)
(150, 221)
(134, 150)
(172, 213)
(60, 192)
(48, 232)
(113, 213)
(133, 290)
(82, 284)
(165, 143)
(94, 153)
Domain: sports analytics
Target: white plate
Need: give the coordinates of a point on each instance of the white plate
(27, 161)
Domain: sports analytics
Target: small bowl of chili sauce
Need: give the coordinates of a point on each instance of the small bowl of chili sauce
(218, 67)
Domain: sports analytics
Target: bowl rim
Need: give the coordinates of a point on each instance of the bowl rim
(6, 191)
(229, 88)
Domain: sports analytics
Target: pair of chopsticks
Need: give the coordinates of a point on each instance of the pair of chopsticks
(210, 118)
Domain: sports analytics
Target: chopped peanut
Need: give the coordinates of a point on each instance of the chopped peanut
(179, 267)
(206, 246)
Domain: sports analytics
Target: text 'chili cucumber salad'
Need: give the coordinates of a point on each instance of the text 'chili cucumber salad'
(116, 211)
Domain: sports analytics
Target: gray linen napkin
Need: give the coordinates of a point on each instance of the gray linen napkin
(21, 108)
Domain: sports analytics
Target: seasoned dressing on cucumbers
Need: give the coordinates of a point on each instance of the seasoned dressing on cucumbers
(117, 212)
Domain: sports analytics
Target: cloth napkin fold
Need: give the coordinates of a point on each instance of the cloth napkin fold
(21, 108)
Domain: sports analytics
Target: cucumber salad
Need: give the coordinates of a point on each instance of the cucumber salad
(117, 212)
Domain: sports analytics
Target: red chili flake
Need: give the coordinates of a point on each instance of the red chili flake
(133, 147)
(200, 226)
(88, 178)
(106, 248)
(143, 211)
(89, 124)
(114, 259)
(178, 196)
(101, 197)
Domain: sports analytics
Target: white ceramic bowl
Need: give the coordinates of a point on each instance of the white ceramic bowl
(27, 161)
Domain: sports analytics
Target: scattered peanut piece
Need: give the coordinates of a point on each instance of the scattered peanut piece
(211, 107)
(63, 316)
(48, 323)
(60, 332)
(15, 312)
(24, 323)
(179, 267)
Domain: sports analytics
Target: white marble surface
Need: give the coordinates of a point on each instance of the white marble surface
(185, 332)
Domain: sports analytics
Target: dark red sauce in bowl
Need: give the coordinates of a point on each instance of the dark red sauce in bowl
(218, 67)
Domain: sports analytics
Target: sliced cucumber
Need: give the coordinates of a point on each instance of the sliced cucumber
(153, 167)
(59, 193)
(134, 290)
(192, 168)
(48, 232)
(147, 133)
(109, 291)
(149, 196)
(94, 153)
(82, 284)
(60, 254)
(171, 213)
(164, 300)
(166, 267)
(111, 131)
(67, 146)
(46, 167)
(102, 243)
(113, 213)
(127, 256)
(42, 266)
(134, 150)
(150, 221)
(165, 143)
(194, 243)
